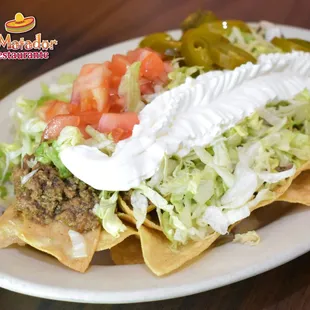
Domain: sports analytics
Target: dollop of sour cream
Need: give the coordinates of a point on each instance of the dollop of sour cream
(188, 116)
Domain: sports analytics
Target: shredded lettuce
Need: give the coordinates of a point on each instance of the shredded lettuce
(253, 42)
(28, 133)
(105, 210)
(179, 74)
(58, 91)
(155, 198)
(67, 79)
(28, 129)
(69, 136)
(129, 88)
(215, 186)
(79, 249)
(28, 126)
(9, 157)
(101, 141)
(48, 152)
(139, 203)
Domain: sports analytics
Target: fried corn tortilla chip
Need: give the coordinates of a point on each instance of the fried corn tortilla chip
(153, 246)
(299, 191)
(107, 241)
(258, 219)
(52, 239)
(162, 259)
(127, 210)
(127, 218)
(125, 249)
(128, 252)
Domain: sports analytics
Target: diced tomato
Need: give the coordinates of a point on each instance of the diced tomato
(58, 123)
(120, 134)
(109, 122)
(152, 67)
(86, 100)
(115, 82)
(119, 65)
(95, 97)
(118, 104)
(91, 117)
(134, 55)
(52, 108)
(74, 109)
(90, 90)
(168, 66)
(83, 131)
(139, 54)
(113, 91)
(42, 110)
(57, 108)
(87, 69)
(116, 108)
(121, 103)
(107, 64)
(146, 87)
(101, 98)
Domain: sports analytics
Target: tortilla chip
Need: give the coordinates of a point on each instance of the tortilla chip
(126, 249)
(127, 218)
(258, 219)
(299, 191)
(148, 223)
(107, 241)
(52, 239)
(128, 252)
(153, 247)
(161, 258)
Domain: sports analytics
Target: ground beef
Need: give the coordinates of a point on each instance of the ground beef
(47, 197)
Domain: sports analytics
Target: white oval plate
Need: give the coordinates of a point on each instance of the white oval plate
(30, 272)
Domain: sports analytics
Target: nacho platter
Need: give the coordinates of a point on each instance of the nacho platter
(135, 238)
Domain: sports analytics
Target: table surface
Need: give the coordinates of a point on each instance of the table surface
(84, 26)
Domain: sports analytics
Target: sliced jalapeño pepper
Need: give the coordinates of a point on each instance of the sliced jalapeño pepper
(162, 43)
(229, 56)
(209, 49)
(224, 27)
(196, 47)
(304, 43)
(287, 45)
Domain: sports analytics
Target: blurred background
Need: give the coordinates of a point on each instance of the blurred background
(84, 26)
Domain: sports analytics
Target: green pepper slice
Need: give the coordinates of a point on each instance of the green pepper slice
(287, 45)
(162, 43)
(209, 49)
(304, 43)
(229, 56)
(195, 47)
(224, 27)
(197, 18)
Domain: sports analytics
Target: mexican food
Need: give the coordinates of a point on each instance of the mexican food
(157, 153)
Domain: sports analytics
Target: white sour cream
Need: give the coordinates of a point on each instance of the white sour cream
(188, 116)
